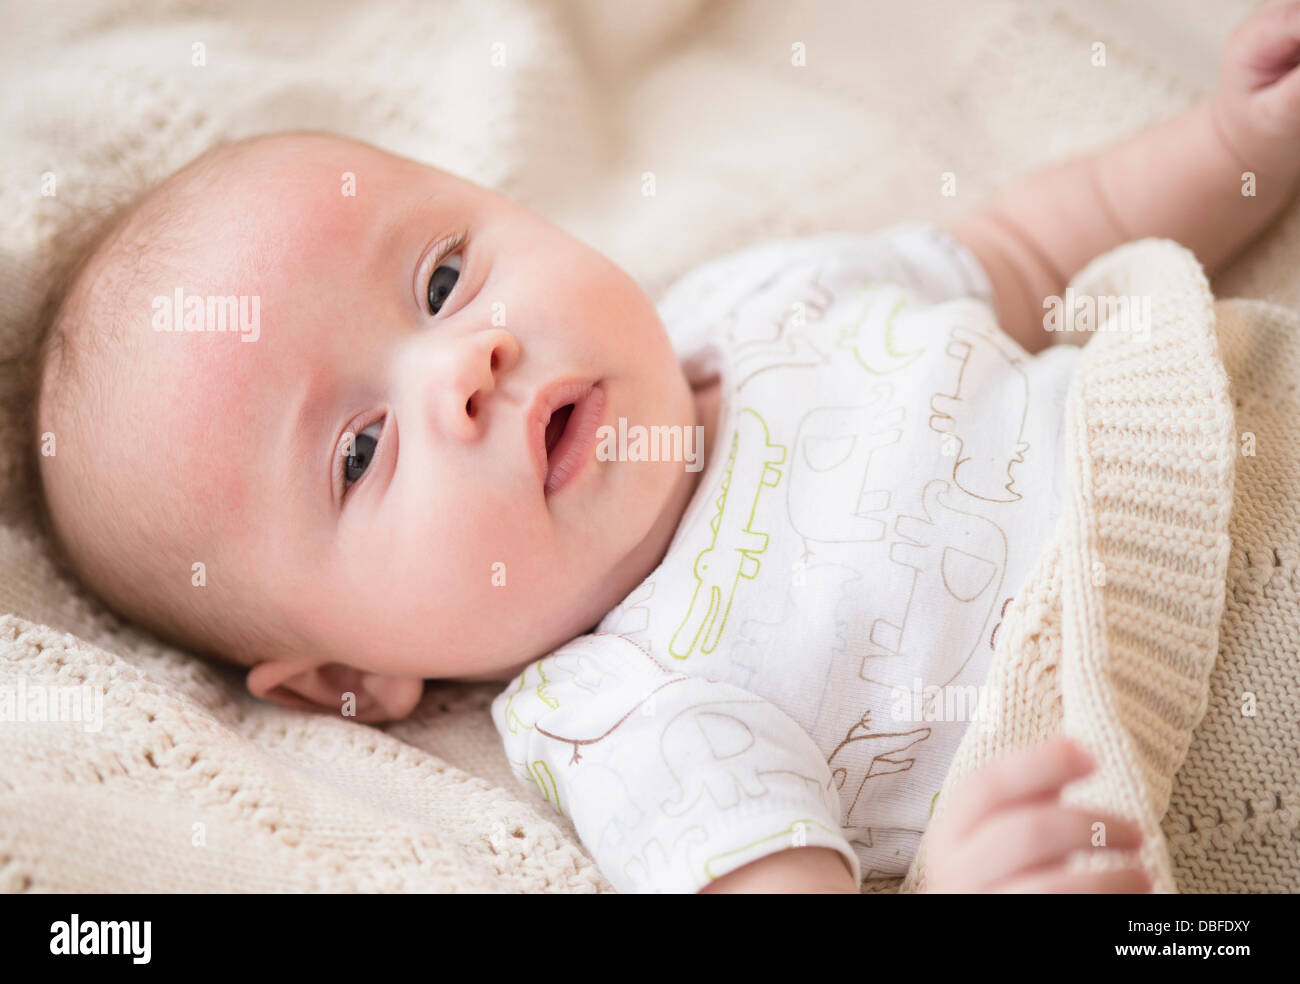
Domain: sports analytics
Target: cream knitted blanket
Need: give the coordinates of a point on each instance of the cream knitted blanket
(1160, 626)
(191, 785)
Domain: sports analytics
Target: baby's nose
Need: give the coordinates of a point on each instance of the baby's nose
(458, 396)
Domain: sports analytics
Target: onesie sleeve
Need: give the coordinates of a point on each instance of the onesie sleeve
(917, 256)
(671, 780)
(926, 259)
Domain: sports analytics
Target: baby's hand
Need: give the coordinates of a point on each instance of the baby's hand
(1006, 830)
(1258, 103)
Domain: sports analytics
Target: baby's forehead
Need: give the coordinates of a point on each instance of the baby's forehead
(296, 231)
(246, 241)
(270, 231)
(267, 221)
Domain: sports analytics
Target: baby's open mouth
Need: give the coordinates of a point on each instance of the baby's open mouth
(555, 427)
(561, 441)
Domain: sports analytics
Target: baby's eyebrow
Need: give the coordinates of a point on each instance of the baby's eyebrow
(301, 445)
(436, 222)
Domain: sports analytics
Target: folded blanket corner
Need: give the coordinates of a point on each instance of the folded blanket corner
(1112, 638)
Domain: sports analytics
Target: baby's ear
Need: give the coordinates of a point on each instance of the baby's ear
(334, 688)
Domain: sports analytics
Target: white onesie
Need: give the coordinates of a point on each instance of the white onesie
(801, 666)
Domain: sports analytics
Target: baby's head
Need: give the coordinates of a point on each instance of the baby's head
(342, 491)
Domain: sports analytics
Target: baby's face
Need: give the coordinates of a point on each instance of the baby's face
(437, 549)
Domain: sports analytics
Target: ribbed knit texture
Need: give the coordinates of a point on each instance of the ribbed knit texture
(1113, 639)
(1233, 822)
(743, 145)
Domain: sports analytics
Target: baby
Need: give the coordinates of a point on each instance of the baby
(462, 445)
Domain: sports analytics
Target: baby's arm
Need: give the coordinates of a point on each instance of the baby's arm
(627, 748)
(1181, 179)
(797, 871)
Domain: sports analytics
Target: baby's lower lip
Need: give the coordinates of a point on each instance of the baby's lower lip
(577, 445)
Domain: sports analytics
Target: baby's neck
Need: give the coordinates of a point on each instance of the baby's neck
(708, 399)
(649, 554)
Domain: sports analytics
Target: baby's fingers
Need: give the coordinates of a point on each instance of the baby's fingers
(1022, 777)
(1264, 46)
(1035, 837)
(1279, 106)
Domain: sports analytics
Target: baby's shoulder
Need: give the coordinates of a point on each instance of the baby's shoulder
(915, 255)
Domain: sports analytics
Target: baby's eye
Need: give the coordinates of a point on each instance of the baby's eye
(440, 286)
(363, 448)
